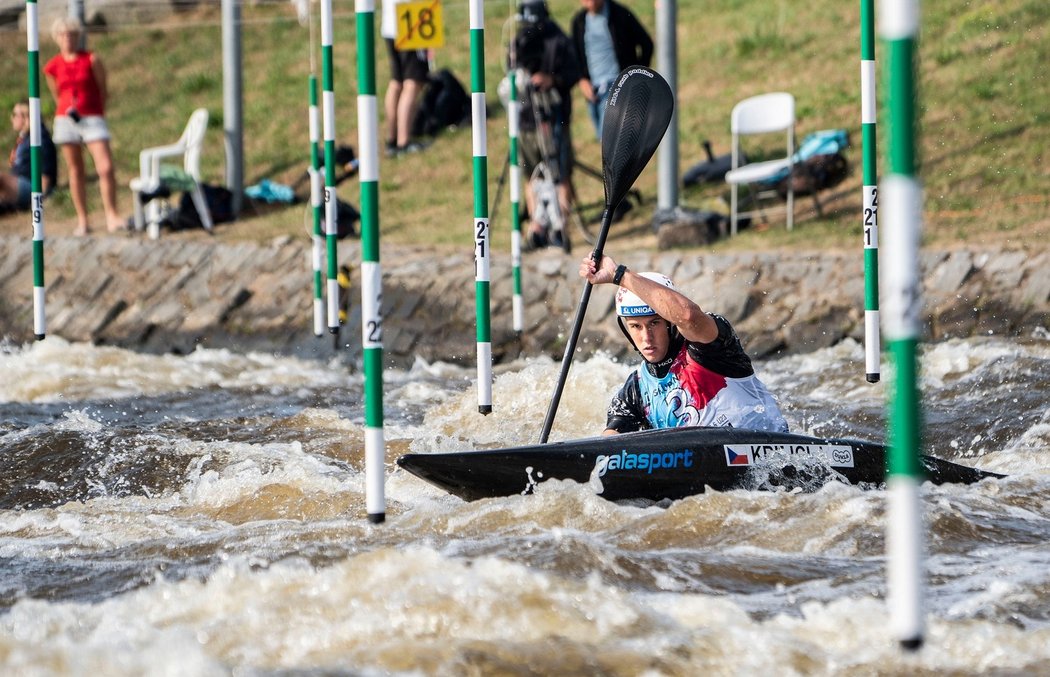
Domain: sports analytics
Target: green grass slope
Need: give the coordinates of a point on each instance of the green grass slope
(984, 129)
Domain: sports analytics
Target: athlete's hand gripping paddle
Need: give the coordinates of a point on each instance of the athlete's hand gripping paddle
(637, 113)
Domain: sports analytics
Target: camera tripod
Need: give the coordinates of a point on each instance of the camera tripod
(581, 216)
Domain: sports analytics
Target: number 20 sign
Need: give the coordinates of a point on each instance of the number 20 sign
(419, 25)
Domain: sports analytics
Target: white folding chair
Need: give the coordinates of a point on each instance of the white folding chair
(151, 178)
(762, 114)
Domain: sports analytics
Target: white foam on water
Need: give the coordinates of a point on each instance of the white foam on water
(57, 370)
(414, 609)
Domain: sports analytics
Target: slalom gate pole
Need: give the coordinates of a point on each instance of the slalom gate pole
(314, 170)
(315, 203)
(902, 196)
(371, 273)
(869, 198)
(35, 163)
(482, 247)
(518, 305)
(317, 255)
(330, 202)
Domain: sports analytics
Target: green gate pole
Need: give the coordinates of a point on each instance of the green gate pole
(902, 199)
(482, 247)
(330, 201)
(371, 273)
(518, 305)
(37, 197)
(317, 256)
(870, 194)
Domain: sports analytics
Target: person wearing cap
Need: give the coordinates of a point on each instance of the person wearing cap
(694, 370)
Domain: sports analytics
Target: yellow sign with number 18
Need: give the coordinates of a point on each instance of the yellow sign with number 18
(419, 25)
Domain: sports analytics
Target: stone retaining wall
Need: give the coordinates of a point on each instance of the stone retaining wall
(172, 295)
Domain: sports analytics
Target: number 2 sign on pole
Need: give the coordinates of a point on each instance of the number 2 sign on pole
(419, 26)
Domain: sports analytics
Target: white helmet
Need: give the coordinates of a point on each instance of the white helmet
(629, 304)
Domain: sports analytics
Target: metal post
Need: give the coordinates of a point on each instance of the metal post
(76, 11)
(667, 65)
(233, 121)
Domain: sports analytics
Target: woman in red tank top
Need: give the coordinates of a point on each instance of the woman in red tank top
(78, 83)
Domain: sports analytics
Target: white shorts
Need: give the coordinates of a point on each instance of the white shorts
(90, 128)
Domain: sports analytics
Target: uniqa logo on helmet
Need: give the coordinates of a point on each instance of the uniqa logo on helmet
(629, 304)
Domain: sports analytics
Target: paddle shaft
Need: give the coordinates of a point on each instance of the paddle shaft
(636, 116)
(577, 325)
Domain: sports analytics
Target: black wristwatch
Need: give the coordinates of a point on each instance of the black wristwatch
(620, 270)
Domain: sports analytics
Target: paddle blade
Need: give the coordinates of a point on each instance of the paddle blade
(636, 117)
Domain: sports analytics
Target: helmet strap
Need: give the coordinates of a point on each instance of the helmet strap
(657, 369)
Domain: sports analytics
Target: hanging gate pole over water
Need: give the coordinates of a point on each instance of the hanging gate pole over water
(330, 201)
(869, 192)
(317, 254)
(371, 273)
(518, 305)
(317, 241)
(482, 247)
(36, 202)
(902, 197)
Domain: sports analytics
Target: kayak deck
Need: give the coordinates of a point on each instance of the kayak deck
(671, 464)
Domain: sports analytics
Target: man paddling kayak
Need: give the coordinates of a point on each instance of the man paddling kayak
(694, 370)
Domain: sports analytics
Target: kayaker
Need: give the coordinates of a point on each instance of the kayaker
(694, 369)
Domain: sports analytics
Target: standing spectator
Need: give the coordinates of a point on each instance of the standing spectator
(408, 76)
(77, 81)
(16, 188)
(545, 54)
(607, 38)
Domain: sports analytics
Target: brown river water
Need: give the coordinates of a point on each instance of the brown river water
(204, 515)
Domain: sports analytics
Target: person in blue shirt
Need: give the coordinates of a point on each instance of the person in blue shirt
(16, 187)
(607, 38)
(694, 370)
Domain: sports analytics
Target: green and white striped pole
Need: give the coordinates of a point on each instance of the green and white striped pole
(482, 247)
(330, 203)
(902, 199)
(870, 193)
(371, 273)
(37, 197)
(317, 256)
(518, 305)
(306, 16)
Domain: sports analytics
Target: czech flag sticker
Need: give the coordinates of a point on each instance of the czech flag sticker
(738, 456)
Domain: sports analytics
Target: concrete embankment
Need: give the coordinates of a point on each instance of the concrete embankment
(173, 295)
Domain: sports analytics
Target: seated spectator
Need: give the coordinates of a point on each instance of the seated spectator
(16, 187)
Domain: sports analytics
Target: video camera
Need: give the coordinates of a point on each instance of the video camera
(533, 17)
(533, 12)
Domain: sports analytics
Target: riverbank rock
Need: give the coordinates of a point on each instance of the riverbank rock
(175, 295)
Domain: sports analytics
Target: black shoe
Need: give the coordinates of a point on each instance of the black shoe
(536, 240)
(391, 149)
(411, 147)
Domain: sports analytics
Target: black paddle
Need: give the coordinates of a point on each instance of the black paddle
(637, 113)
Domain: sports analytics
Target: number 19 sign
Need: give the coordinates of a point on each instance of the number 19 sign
(419, 25)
